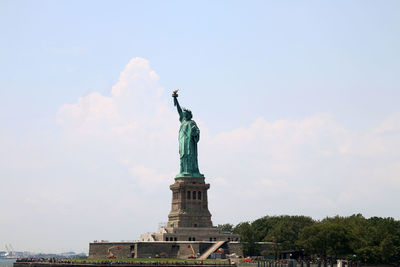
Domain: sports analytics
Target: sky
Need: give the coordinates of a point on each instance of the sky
(297, 104)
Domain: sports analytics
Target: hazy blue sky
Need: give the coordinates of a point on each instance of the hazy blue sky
(297, 102)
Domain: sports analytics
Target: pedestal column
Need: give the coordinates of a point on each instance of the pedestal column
(189, 203)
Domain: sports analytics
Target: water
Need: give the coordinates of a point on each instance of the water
(6, 262)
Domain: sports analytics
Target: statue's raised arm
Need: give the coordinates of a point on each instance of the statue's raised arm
(189, 135)
(176, 103)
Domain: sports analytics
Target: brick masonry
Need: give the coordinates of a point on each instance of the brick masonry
(189, 207)
(99, 250)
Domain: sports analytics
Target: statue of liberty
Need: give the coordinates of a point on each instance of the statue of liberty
(189, 135)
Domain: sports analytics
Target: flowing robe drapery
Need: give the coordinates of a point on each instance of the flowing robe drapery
(189, 135)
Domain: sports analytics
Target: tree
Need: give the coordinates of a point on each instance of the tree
(285, 232)
(327, 238)
(373, 240)
(227, 227)
(248, 238)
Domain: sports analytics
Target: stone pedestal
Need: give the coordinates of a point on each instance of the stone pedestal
(189, 219)
(189, 203)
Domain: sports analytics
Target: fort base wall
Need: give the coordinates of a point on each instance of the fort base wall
(179, 249)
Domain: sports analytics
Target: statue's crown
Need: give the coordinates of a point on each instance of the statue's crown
(188, 111)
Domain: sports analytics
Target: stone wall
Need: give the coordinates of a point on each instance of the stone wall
(189, 234)
(189, 207)
(99, 250)
(235, 247)
(265, 245)
(151, 249)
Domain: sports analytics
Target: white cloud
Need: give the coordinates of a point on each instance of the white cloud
(137, 102)
(92, 113)
(314, 166)
(149, 179)
(118, 153)
(315, 163)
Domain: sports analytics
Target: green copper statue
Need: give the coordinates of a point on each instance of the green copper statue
(189, 135)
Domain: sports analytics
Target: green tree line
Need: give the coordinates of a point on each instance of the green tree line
(373, 240)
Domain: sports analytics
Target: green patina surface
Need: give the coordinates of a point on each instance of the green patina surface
(189, 136)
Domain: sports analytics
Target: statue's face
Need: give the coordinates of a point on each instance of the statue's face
(187, 115)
